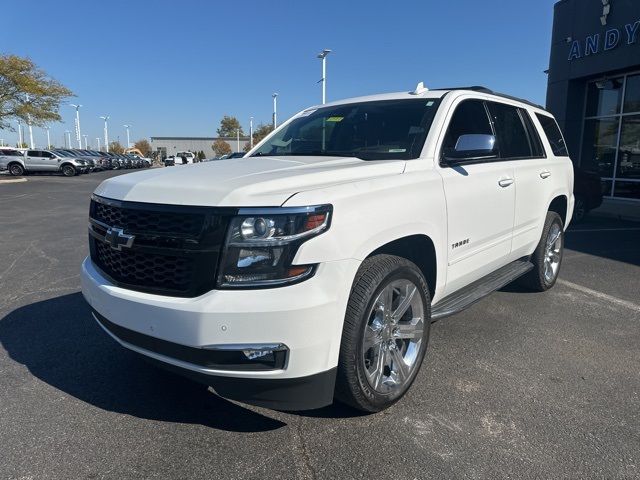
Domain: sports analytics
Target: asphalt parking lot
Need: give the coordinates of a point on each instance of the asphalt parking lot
(521, 385)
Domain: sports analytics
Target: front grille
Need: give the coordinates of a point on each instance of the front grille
(175, 250)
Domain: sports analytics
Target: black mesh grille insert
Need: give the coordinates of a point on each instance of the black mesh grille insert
(154, 271)
(135, 220)
(175, 249)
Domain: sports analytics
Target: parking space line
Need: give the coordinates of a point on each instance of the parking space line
(589, 230)
(618, 301)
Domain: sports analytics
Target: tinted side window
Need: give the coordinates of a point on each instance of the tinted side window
(536, 143)
(513, 140)
(552, 131)
(11, 153)
(469, 118)
(33, 153)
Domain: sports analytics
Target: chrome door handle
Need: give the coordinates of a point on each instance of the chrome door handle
(545, 174)
(505, 182)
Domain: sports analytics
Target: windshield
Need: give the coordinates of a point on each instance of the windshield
(388, 129)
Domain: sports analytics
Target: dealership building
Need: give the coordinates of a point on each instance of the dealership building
(167, 146)
(594, 91)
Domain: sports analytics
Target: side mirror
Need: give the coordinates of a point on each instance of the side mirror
(473, 147)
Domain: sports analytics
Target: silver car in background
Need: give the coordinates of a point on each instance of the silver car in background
(37, 160)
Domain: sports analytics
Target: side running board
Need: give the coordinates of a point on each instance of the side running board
(467, 296)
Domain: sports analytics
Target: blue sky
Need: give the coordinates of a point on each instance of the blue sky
(175, 68)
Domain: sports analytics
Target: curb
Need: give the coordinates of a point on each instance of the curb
(13, 180)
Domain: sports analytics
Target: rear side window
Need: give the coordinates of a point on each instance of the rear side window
(469, 118)
(513, 140)
(33, 153)
(11, 153)
(534, 138)
(552, 131)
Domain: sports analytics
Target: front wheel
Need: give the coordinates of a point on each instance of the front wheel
(580, 209)
(69, 171)
(547, 257)
(385, 334)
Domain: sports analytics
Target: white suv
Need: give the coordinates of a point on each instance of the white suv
(313, 268)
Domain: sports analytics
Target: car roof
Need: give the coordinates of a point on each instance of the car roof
(421, 92)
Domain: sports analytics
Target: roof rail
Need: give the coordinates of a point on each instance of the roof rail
(481, 89)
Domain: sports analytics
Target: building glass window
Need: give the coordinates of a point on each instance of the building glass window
(632, 94)
(611, 135)
(604, 97)
(599, 147)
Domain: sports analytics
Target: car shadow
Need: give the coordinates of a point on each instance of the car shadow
(58, 341)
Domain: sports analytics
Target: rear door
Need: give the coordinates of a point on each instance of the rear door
(522, 147)
(33, 160)
(480, 198)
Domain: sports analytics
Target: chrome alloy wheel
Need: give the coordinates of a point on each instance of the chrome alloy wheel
(393, 336)
(552, 253)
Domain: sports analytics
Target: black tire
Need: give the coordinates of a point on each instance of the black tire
(535, 279)
(69, 170)
(580, 209)
(352, 385)
(16, 170)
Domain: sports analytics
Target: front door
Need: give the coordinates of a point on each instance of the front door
(480, 198)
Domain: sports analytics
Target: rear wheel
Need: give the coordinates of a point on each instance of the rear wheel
(16, 169)
(547, 257)
(385, 334)
(69, 170)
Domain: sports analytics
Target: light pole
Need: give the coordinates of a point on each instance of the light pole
(98, 141)
(128, 141)
(106, 131)
(86, 142)
(275, 110)
(238, 140)
(323, 56)
(48, 137)
(67, 138)
(78, 133)
(26, 95)
(251, 132)
(20, 139)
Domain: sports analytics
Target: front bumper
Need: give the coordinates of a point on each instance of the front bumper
(306, 317)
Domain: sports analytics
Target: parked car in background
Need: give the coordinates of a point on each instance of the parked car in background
(184, 158)
(36, 160)
(587, 190)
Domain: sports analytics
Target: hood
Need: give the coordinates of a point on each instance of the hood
(242, 182)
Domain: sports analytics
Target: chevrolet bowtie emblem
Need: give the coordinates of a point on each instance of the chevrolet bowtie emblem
(116, 238)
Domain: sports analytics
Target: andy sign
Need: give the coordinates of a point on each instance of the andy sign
(607, 40)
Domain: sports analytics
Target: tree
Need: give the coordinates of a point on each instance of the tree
(229, 127)
(115, 147)
(28, 93)
(259, 133)
(220, 147)
(144, 146)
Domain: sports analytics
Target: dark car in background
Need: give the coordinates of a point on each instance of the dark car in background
(587, 190)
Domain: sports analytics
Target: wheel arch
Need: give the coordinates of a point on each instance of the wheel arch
(560, 205)
(419, 249)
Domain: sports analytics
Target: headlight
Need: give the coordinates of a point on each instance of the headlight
(261, 244)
